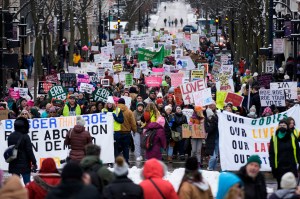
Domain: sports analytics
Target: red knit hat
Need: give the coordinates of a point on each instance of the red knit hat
(159, 101)
(48, 166)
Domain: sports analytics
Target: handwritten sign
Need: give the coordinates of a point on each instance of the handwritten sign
(264, 80)
(269, 97)
(153, 81)
(68, 77)
(188, 88)
(84, 87)
(203, 97)
(235, 99)
(290, 89)
(176, 79)
(44, 87)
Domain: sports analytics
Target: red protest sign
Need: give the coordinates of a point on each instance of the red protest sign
(52, 78)
(235, 99)
(178, 96)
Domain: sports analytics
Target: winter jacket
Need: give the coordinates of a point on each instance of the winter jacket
(122, 188)
(285, 158)
(154, 169)
(13, 189)
(284, 194)
(129, 123)
(67, 107)
(291, 70)
(92, 164)
(158, 142)
(78, 138)
(138, 116)
(253, 188)
(73, 189)
(41, 184)
(25, 157)
(255, 100)
(179, 120)
(191, 190)
(212, 130)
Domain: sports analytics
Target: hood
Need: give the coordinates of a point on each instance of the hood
(226, 181)
(204, 186)
(89, 161)
(285, 193)
(48, 166)
(154, 125)
(153, 168)
(78, 129)
(123, 107)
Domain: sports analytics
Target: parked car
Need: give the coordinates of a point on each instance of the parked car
(189, 28)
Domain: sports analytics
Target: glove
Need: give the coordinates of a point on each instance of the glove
(114, 115)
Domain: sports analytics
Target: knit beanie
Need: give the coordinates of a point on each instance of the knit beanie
(168, 107)
(288, 181)
(198, 108)
(267, 111)
(191, 164)
(159, 101)
(71, 171)
(209, 113)
(140, 104)
(147, 116)
(121, 167)
(254, 158)
(121, 101)
(80, 121)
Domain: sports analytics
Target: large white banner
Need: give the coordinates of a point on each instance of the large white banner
(241, 137)
(48, 134)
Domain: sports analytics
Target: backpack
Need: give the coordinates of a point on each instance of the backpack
(148, 139)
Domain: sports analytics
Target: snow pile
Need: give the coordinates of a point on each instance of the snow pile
(175, 177)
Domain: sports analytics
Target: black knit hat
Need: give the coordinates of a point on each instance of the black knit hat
(283, 121)
(133, 90)
(121, 101)
(71, 171)
(191, 164)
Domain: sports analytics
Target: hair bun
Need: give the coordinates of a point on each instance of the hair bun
(120, 161)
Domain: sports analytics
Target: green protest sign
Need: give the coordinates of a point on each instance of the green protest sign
(101, 94)
(57, 92)
(156, 57)
(128, 79)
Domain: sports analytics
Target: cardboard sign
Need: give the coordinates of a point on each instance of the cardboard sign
(24, 74)
(176, 79)
(178, 96)
(188, 88)
(68, 77)
(290, 89)
(193, 131)
(235, 99)
(84, 87)
(128, 79)
(44, 87)
(203, 97)
(265, 80)
(3, 114)
(153, 81)
(269, 97)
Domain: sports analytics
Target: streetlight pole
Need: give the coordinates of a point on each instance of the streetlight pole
(118, 17)
(1, 52)
(100, 26)
(61, 45)
(271, 13)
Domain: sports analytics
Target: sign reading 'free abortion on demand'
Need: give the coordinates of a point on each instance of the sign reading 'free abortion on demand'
(48, 134)
(241, 137)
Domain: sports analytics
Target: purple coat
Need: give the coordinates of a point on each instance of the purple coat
(159, 141)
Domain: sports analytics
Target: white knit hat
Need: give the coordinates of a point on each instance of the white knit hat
(159, 95)
(288, 181)
(168, 107)
(80, 121)
(110, 100)
(120, 167)
(209, 113)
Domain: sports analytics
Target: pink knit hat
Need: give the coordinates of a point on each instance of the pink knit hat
(267, 111)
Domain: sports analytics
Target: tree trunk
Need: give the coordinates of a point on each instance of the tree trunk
(37, 57)
(72, 40)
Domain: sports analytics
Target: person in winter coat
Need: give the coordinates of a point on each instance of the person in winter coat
(168, 125)
(72, 108)
(77, 138)
(291, 68)
(124, 137)
(138, 113)
(159, 141)
(289, 188)
(73, 185)
(253, 179)
(122, 187)
(229, 186)
(153, 185)
(197, 118)
(91, 164)
(179, 119)
(255, 99)
(151, 98)
(283, 152)
(212, 140)
(47, 178)
(291, 125)
(25, 160)
(13, 189)
(192, 184)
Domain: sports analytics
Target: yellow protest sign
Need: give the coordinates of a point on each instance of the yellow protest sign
(221, 96)
(197, 74)
(117, 68)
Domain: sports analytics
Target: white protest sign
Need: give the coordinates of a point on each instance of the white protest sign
(270, 64)
(137, 73)
(101, 72)
(97, 58)
(48, 134)
(85, 87)
(188, 88)
(107, 65)
(228, 69)
(127, 101)
(242, 137)
(178, 53)
(22, 91)
(188, 113)
(290, 89)
(278, 46)
(203, 97)
(143, 65)
(195, 40)
(167, 69)
(94, 48)
(269, 97)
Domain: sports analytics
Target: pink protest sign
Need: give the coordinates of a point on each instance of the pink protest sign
(14, 94)
(176, 79)
(83, 78)
(158, 70)
(153, 81)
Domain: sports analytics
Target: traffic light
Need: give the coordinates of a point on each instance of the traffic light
(8, 25)
(226, 18)
(217, 20)
(119, 20)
